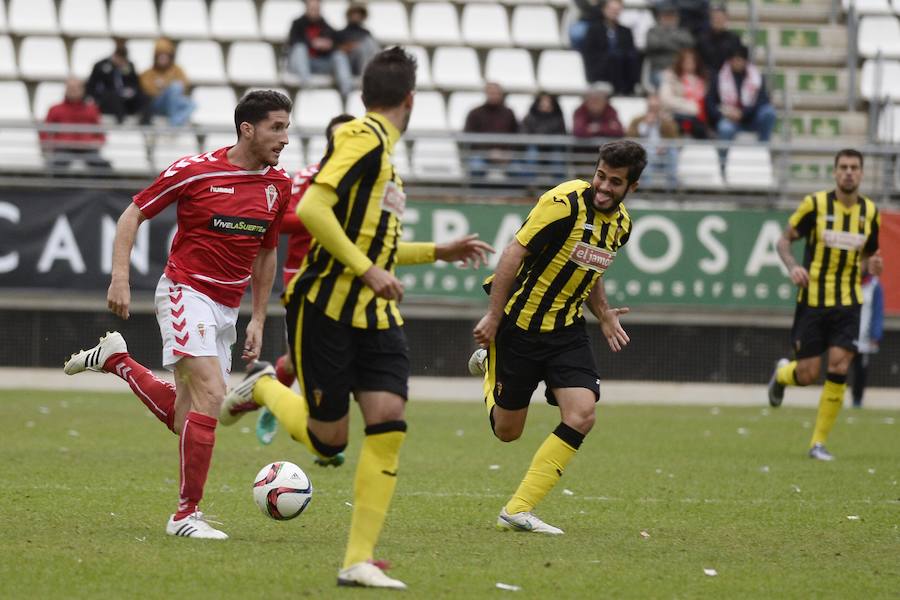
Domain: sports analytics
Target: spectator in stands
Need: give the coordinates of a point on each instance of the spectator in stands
(682, 91)
(738, 101)
(651, 127)
(356, 41)
(588, 12)
(694, 16)
(717, 43)
(545, 117)
(609, 53)
(166, 84)
(596, 117)
(494, 116)
(312, 48)
(115, 88)
(62, 147)
(664, 40)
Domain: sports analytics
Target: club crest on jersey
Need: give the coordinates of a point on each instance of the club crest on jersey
(271, 196)
(592, 257)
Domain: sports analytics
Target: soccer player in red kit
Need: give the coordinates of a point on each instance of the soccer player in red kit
(230, 204)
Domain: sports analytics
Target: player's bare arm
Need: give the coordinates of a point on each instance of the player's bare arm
(612, 329)
(262, 275)
(799, 275)
(118, 297)
(468, 249)
(874, 262)
(501, 288)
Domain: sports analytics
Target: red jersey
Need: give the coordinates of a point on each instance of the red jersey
(298, 242)
(225, 214)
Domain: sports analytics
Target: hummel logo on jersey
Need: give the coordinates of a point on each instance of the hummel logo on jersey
(221, 190)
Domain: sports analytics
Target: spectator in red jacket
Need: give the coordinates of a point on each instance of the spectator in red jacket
(596, 117)
(62, 147)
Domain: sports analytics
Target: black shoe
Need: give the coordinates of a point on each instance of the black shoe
(776, 390)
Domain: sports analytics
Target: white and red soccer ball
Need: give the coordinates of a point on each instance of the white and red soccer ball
(282, 490)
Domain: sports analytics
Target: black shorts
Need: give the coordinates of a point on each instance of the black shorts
(518, 360)
(333, 358)
(817, 328)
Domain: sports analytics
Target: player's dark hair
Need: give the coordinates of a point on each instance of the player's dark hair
(624, 153)
(388, 78)
(256, 106)
(342, 118)
(850, 153)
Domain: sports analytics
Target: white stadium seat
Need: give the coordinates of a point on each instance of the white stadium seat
(3, 25)
(456, 68)
(276, 17)
(886, 86)
(316, 149)
(436, 159)
(32, 17)
(182, 19)
(47, 94)
(8, 68)
(749, 167)
(889, 124)
(511, 68)
(628, 108)
(140, 52)
(292, 158)
(355, 104)
(201, 60)
(561, 71)
(520, 104)
(215, 105)
(252, 63)
(127, 151)
(429, 113)
(458, 107)
(133, 18)
(315, 108)
(869, 7)
(168, 148)
(423, 72)
(535, 27)
(233, 20)
(568, 105)
(388, 22)
(879, 34)
(435, 24)
(20, 148)
(485, 25)
(88, 51)
(83, 17)
(214, 141)
(400, 159)
(15, 105)
(640, 21)
(43, 57)
(895, 4)
(698, 167)
(335, 13)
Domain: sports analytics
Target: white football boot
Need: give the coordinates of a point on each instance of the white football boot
(366, 574)
(94, 358)
(239, 399)
(194, 526)
(525, 521)
(819, 452)
(478, 362)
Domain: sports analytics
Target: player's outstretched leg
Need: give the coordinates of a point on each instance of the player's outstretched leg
(239, 399)
(782, 376)
(266, 423)
(829, 406)
(111, 356)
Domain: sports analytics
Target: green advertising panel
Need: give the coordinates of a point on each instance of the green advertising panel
(706, 258)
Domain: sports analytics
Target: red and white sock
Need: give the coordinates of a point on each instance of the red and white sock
(283, 371)
(198, 436)
(157, 394)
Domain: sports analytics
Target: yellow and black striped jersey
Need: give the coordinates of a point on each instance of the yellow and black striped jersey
(370, 204)
(837, 236)
(570, 246)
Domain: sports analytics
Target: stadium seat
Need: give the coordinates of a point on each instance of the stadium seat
(214, 141)
(168, 148)
(355, 105)
(86, 52)
(47, 94)
(869, 7)
(520, 104)
(127, 151)
(424, 80)
(535, 27)
(749, 167)
(889, 124)
(133, 19)
(20, 149)
(436, 159)
(628, 108)
(388, 22)
(233, 20)
(252, 63)
(895, 4)
(335, 13)
(561, 72)
(458, 107)
(83, 17)
(8, 68)
(485, 25)
(430, 113)
(400, 159)
(511, 68)
(456, 68)
(3, 25)
(887, 86)
(879, 34)
(569, 104)
(315, 108)
(140, 52)
(640, 21)
(698, 167)
(201, 60)
(276, 17)
(435, 24)
(15, 105)
(184, 19)
(215, 105)
(32, 17)
(42, 58)
(315, 149)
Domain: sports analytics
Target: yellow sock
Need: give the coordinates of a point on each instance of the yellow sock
(289, 408)
(546, 468)
(373, 488)
(829, 406)
(786, 375)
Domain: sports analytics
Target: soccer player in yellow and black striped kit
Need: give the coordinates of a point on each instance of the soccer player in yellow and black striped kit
(840, 228)
(344, 326)
(534, 329)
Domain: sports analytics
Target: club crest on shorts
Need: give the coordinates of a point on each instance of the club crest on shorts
(271, 196)
(317, 396)
(201, 329)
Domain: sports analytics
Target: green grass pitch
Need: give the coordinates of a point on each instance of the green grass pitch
(88, 480)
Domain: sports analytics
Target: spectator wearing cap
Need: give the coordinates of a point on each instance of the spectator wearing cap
(63, 147)
(716, 44)
(356, 41)
(596, 117)
(115, 88)
(166, 85)
(312, 48)
(609, 53)
(664, 40)
(738, 101)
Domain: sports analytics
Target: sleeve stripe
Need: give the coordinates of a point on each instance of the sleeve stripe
(184, 182)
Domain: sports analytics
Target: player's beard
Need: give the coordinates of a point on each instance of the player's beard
(615, 202)
(848, 190)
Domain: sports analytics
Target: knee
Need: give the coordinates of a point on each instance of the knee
(506, 433)
(581, 421)
(807, 373)
(328, 439)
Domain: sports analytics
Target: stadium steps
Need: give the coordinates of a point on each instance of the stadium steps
(817, 126)
(811, 88)
(802, 45)
(812, 171)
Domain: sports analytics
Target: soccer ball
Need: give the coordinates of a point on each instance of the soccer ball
(282, 490)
